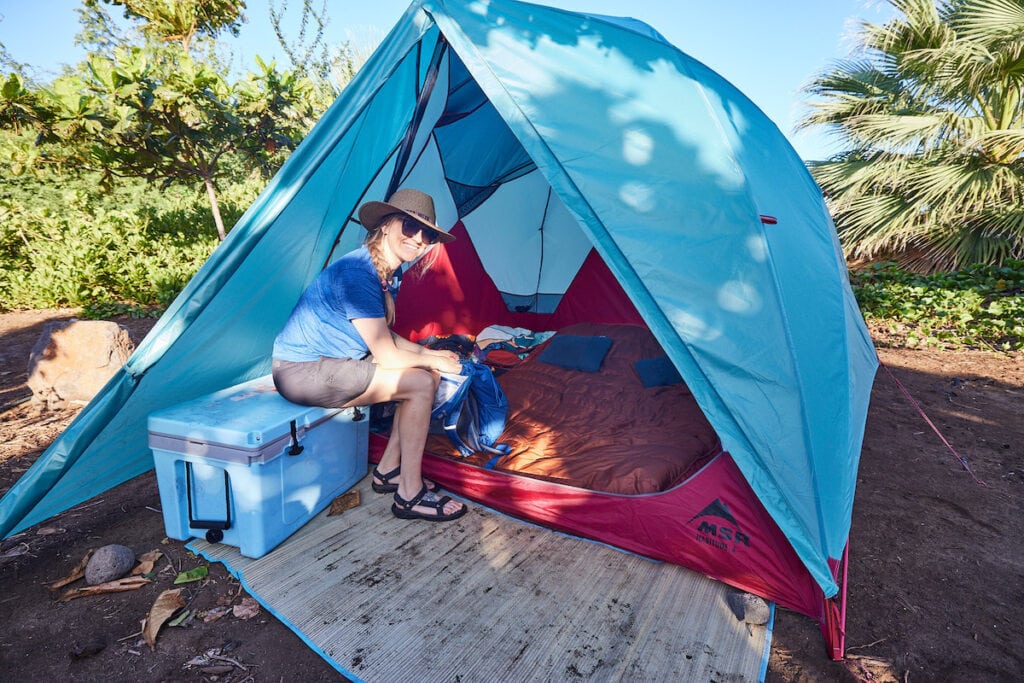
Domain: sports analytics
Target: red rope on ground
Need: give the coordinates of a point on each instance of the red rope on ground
(963, 460)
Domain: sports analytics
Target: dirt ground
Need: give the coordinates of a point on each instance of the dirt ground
(936, 576)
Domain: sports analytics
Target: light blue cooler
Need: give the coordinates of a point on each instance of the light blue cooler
(246, 467)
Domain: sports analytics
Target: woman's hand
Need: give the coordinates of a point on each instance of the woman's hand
(395, 351)
(451, 355)
(447, 361)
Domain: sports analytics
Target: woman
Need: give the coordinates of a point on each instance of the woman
(337, 349)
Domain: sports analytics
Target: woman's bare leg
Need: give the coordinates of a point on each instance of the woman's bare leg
(392, 454)
(414, 388)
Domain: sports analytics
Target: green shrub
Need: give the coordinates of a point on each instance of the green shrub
(129, 251)
(977, 307)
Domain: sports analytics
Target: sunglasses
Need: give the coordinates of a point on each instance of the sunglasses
(410, 227)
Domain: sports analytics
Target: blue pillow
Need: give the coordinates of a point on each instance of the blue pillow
(574, 352)
(658, 372)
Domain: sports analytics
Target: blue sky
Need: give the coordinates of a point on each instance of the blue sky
(767, 48)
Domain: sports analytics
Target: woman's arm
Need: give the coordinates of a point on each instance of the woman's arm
(406, 345)
(394, 351)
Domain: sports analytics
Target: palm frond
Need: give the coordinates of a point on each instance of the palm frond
(955, 246)
(1003, 146)
(931, 117)
(988, 21)
(899, 134)
(1007, 226)
(920, 28)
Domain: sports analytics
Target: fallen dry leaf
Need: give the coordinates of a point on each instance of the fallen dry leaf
(215, 614)
(75, 574)
(129, 583)
(147, 562)
(345, 501)
(168, 602)
(246, 609)
(50, 530)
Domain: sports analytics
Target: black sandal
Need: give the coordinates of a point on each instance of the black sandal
(403, 509)
(388, 486)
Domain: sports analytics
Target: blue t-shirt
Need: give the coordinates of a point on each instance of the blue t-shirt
(321, 322)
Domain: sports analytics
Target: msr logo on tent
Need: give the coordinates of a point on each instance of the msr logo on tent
(714, 533)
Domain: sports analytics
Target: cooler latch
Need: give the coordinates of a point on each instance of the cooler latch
(295, 447)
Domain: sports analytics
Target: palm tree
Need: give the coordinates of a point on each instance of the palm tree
(930, 112)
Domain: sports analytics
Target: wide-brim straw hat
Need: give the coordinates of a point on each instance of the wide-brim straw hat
(415, 204)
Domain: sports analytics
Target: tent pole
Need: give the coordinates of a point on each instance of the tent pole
(417, 118)
(842, 614)
(405, 146)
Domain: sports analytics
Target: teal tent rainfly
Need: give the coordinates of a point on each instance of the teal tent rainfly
(594, 174)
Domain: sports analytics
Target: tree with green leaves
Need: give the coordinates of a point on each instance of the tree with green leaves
(18, 105)
(156, 111)
(181, 21)
(930, 112)
(329, 69)
(19, 115)
(7, 62)
(307, 55)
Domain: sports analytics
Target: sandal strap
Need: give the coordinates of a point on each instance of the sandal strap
(414, 501)
(432, 501)
(386, 478)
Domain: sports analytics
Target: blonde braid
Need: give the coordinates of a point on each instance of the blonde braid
(374, 238)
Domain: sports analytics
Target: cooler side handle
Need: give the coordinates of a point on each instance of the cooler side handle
(215, 528)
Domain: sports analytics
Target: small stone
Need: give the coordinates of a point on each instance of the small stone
(109, 563)
(749, 608)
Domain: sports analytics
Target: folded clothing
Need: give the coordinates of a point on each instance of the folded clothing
(501, 346)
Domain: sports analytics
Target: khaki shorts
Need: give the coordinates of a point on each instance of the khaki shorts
(328, 382)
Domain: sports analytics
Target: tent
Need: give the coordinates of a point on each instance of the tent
(583, 160)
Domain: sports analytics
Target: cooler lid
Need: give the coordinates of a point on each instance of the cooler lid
(247, 415)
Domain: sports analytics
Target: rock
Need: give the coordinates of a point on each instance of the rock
(749, 608)
(109, 563)
(73, 359)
